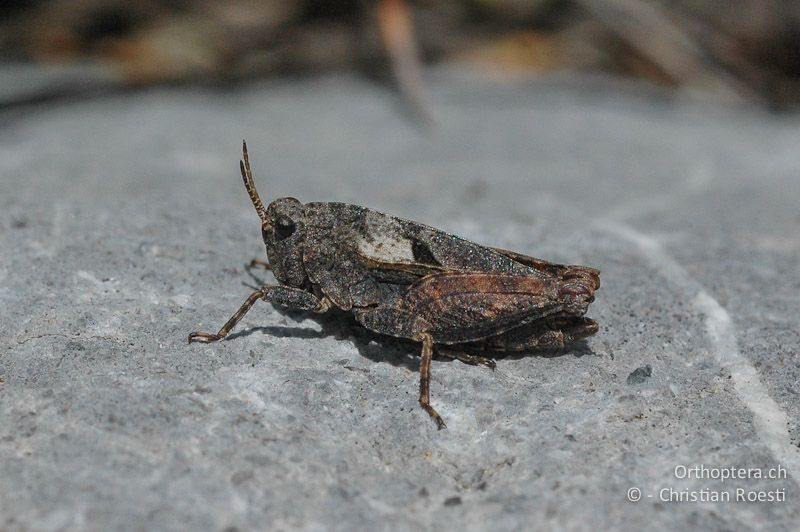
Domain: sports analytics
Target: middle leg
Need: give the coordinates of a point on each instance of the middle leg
(260, 262)
(425, 381)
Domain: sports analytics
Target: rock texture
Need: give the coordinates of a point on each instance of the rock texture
(124, 226)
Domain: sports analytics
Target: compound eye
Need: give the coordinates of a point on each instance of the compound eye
(284, 227)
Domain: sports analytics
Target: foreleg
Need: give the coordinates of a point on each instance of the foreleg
(293, 298)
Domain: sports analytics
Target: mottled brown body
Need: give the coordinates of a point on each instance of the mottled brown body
(409, 280)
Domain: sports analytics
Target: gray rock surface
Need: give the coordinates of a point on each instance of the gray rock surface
(124, 226)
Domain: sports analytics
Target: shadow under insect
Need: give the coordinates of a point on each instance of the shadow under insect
(400, 352)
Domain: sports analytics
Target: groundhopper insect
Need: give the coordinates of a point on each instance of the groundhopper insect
(408, 280)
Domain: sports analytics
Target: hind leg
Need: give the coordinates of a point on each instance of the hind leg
(554, 332)
(459, 308)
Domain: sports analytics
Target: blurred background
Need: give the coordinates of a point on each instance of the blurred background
(124, 226)
(728, 50)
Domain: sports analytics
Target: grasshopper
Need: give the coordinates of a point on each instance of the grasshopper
(408, 280)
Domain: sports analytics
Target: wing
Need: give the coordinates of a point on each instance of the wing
(351, 251)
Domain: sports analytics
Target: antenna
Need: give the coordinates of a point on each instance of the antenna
(247, 175)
